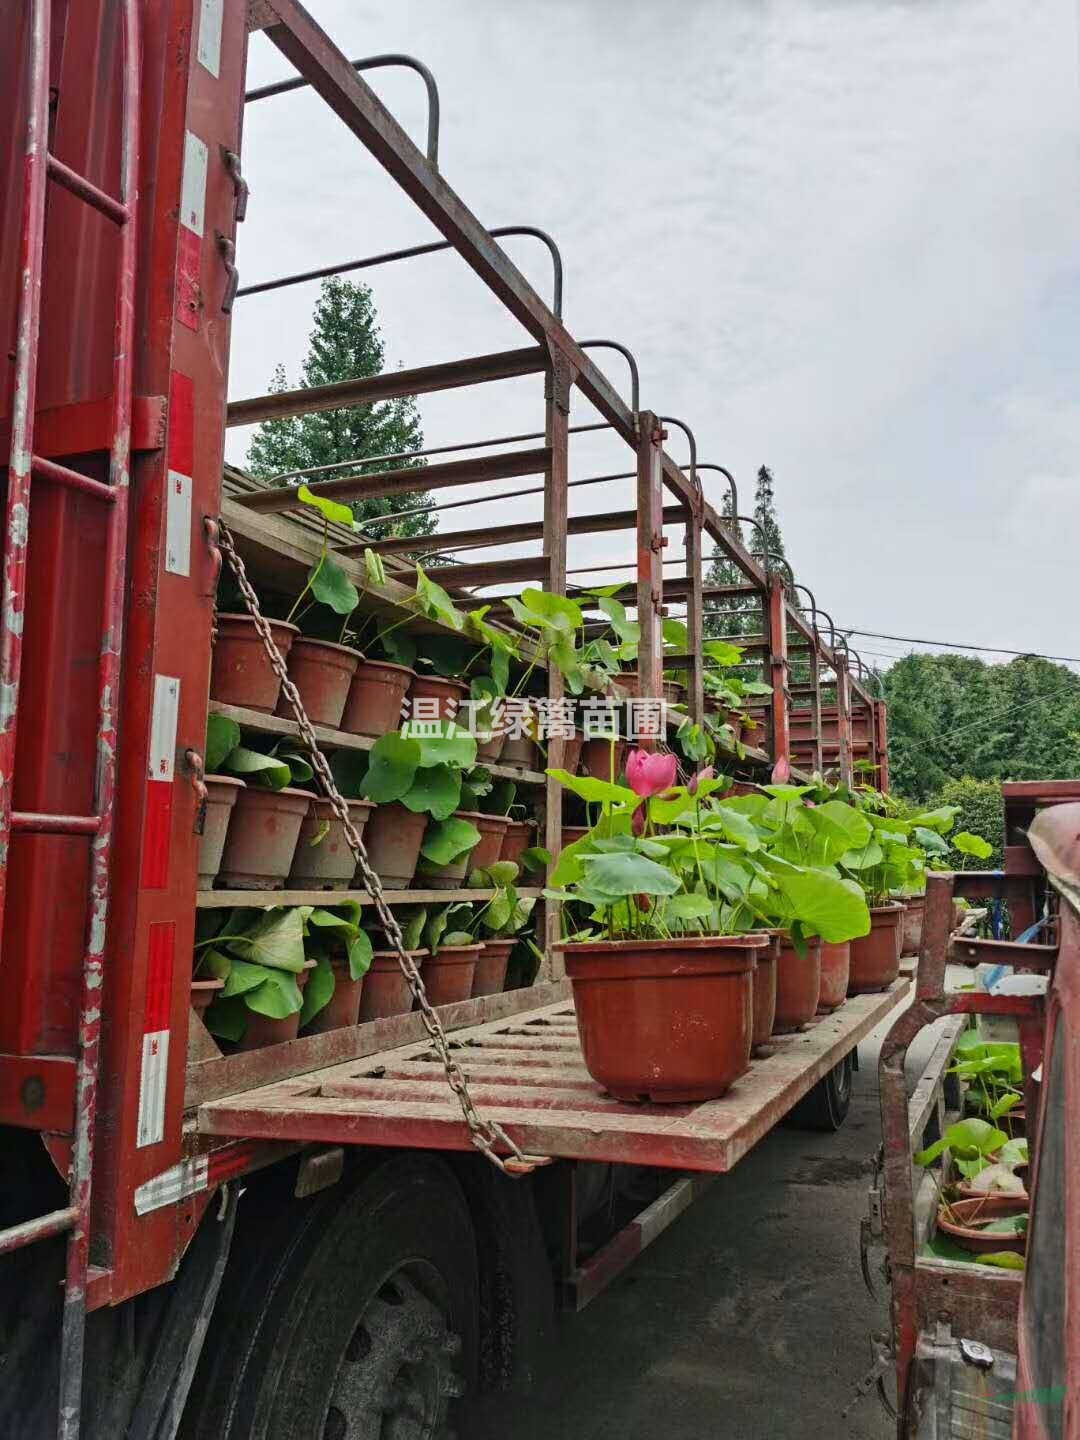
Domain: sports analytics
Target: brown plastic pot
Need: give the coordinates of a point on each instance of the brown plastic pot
(327, 863)
(519, 837)
(323, 673)
(572, 833)
(488, 751)
(875, 958)
(519, 751)
(665, 1020)
(673, 692)
(765, 992)
(261, 842)
(449, 973)
(596, 759)
(911, 925)
(835, 973)
(392, 838)
(342, 1010)
(261, 1031)
(491, 963)
(202, 993)
(447, 693)
(221, 793)
(798, 985)
(493, 830)
(241, 673)
(629, 682)
(386, 991)
(571, 753)
(752, 735)
(961, 1227)
(373, 704)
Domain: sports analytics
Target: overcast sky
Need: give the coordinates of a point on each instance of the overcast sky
(841, 236)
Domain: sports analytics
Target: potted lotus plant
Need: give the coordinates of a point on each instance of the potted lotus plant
(260, 957)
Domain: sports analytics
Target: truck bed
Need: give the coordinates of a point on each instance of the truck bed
(527, 1072)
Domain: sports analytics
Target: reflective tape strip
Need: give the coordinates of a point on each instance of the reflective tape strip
(163, 727)
(193, 184)
(181, 454)
(176, 1183)
(154, 1072)
(157, 824)
(209, 53)
(192, 222)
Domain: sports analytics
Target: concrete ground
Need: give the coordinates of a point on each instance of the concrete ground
(746, 1320)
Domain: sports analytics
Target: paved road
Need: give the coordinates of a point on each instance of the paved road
(747, 1320)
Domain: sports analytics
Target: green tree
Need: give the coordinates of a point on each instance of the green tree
(952, 716)
(728, 616)
(981, 813)
(768, 532)
(346, 344)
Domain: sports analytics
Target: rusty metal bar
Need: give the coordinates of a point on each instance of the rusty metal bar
(494, 572)
(695, 483)
(733, 489)
(777, 644)
(391, 385)
(40, 1228)
(843, 722)
(496, 535)
(557, 390)
(695, 615)
(402, 481)
(62, 475)
(375, 62)
(635, 379)
(83, 189)
(35, 823)
(650, 542)
(411, 252)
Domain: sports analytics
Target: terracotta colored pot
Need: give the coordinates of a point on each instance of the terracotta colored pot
(835, 973)
(449, 973)
(221, 793)
(798, 985)
(261, 1031)
(386, 991)
(202, 993)
(519, 837)
(571, 754)
(665, 1020)
(990, 1207)
(596, 759)
(343, 1008)
(520, 751)
(373, 705)
(571, 833)
(753, 735)
(875, 958)
(629, 682)
(489, 751)
(241, 673)
(765, 992)
(452, 876)
(490, 976)
(392, 838)
(911, 925)
(448, 694)
(323, 673)
(493, 830)
(261, 842)
(328, 864)
(673, 692)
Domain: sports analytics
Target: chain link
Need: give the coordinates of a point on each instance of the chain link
(485, 1134)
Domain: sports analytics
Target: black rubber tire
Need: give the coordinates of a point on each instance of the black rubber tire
(825, 1107)
(292, 1302)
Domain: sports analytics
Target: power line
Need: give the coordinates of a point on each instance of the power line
(1012, 710)
(955, 645)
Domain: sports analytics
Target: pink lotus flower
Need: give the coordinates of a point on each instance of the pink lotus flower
(695, 781)
(781, 771)
(648, 772)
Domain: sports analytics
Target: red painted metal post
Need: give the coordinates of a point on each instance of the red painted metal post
(89, 1036)
(815, 705)
(560, 378)
(843, 719)
(695, 615)
(881, 743)
(17, 507)
(776, 627)
(650, 547)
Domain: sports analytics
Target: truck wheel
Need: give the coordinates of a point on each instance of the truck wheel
(373, 1333)
(825, 1107)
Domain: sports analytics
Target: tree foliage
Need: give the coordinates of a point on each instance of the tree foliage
(953, 716)
(980, 813)
(345, 344)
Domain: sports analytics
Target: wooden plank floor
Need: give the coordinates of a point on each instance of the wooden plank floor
(526, 1072)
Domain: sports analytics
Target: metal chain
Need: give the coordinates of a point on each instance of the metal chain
(485, 1134)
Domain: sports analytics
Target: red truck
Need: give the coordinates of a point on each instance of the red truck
(297, 1240)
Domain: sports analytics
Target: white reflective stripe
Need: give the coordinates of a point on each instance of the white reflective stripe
(153, 1079)
(163, 723)
(193, 184)
(178, 525)
(210, 14)
(179, 1181)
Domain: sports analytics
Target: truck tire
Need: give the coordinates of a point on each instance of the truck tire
(825, 1107)
(367, 1328)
